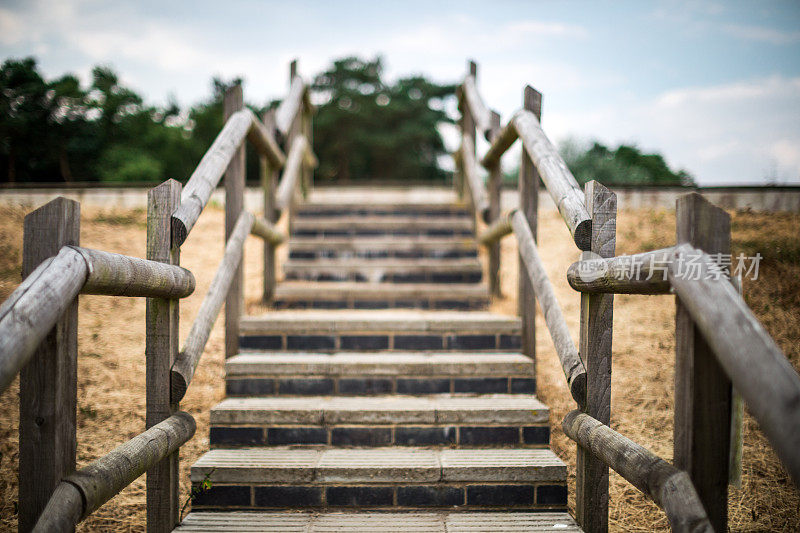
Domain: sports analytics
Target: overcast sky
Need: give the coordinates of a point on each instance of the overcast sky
(714, 86)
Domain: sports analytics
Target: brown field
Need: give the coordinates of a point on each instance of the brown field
(111, 358)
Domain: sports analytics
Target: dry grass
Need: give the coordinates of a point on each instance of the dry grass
(111, 362)
(643, 370)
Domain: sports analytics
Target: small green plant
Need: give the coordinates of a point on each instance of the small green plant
(204, 485)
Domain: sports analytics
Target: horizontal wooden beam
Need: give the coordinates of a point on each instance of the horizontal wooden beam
(32, 310)
(571, 362)
(644, 273)
(670, 488)
(264, 142)
(86, 490)
(498, 229)
(206, 176)
(501, 142)
(267, 231)
(290, 106)
(186, 363)
(480, 196)
(475, 106)
(559, 181)
(121, 275)
(758, 369)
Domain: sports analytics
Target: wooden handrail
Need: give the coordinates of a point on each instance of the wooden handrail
(300, 154)
(34, 307)
(267, 231)
(756, 366)
(185, 364)
(480, 113)
(498, 229)
(480, 196)
(643, 273)
(290, 106)
(571, 362)
(264, 142)
(90, 487)
(122, 275)
(670, 488)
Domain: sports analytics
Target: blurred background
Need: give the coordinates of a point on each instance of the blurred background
(661, 93)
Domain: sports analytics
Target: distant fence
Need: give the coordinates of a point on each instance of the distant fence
(755, 198)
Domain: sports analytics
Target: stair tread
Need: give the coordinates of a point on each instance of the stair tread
(378, 522)
(330, 289)
(377, 465)
(394, 408)
(312, 320)
(387, 263)
(324, 223)
(456, 364)
(340, 196)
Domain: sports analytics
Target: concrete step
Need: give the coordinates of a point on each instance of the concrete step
(492, 420)
(355, 295)
(382, 329)
(379, 522)
(385, 270)
(411, 373)
(382, 247)
(392, 477)
(381, 225)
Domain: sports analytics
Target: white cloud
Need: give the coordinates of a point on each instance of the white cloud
(11, 30)
(763, 34)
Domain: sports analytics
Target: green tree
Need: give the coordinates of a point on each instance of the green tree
(366, 128)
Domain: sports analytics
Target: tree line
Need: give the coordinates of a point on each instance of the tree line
(365, 128)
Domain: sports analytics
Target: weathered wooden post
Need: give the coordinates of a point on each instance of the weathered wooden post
(48, 383)
(528, 204)
(495, 183)
(269, 182)
(597, 318)
(161, 348)
(234, 203)
(468, 131)
(701, 438)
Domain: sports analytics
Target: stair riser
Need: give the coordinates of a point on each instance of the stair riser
(356, 386)
(523, 496)
(341, 274)
(381, 342)
(328, 253)
(461, 304)
(375, 436)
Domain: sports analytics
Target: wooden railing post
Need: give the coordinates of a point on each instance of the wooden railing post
(48, 383)
(701, 438)
(161, 348)
(591, 480)
(269, 182)
(234, 203)
(495, 183)
(468, 130)
(528, 184)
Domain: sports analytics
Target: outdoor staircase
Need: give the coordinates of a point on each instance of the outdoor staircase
(380, 395)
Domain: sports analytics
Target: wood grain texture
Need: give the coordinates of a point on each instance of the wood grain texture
(745, 351)
(187, 360)
(234, 203)
(161, 348)
(209, 171)
(670, 488)
(48, 382)
(701, 435)
(626, 274)
(104, 478)
(528, 187)
(571, 363)
(31, 311)
(122, 275)
(558, 180)
(596, 328)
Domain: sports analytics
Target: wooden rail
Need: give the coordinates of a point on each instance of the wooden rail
(38, 322)
(718, 340)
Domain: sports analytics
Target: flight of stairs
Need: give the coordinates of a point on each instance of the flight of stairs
(380, 395)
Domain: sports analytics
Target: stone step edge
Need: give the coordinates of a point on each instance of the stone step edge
(377, 522)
